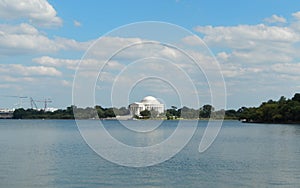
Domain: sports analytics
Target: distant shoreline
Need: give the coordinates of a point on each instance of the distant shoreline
(284, 123)
(282, 111)
(204, 119)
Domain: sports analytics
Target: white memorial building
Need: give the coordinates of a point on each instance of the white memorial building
(148, 103)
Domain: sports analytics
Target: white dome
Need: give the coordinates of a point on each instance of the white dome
(150, 99)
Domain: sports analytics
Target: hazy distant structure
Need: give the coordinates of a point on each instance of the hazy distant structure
(21, 98)
(148, 103)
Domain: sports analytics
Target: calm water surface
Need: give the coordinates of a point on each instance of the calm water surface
(51, 153)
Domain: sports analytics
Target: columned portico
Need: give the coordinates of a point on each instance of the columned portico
(148, 103)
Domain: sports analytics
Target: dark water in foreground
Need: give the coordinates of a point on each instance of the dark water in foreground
(52, 153)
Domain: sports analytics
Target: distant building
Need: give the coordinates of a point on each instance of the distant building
(148, 103)
(6, 113)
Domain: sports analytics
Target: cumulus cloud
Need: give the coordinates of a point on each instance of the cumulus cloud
(296, 15)
(296, 23)
(71, 44)
(86, 64)
(192, 40)
(25, 38)
(38, 12)
(22, 28)
(258, 44)
(287, 68)
(256, 58)
(21, 70)
(76, 23)
(246, 36)
(129, 49)
(14, 79)
(56, 62)
(275, 19)
(66, 83)
(107, 46)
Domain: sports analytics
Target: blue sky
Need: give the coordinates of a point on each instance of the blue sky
(256, 43)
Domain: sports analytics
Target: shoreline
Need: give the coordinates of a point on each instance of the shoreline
(278, 123)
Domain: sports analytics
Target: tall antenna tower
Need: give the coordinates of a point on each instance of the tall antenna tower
(45, 101)
(21, 98)
(33, 104)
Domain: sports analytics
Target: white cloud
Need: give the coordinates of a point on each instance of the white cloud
(66, 83)
(287, 68)
(20, 43)
(232, 71)
(76, 23)
(257, 56)
(275, 19)
(71, 44)
(256, 59)
(130, 49)
(296, 15)
(296, 23)
(85, 64)
(259, 44)
(22, 28)
(25, 38)
(56, 62)
(223, 56)
(107, 46)
(192, 40)
(246, 36)
(21, 70)
(39, 12)
(14, 79)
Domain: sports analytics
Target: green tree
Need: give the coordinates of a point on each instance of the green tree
(173, 113)
(145, 113)
(100, 111)
(296, 97)
(109, 112)
(206, 110)
(19, 113)
(231, 114)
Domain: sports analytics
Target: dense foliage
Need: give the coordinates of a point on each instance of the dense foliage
(68, 113)
(90, 113)
(41, 114)
(281, 111)
(204, 112)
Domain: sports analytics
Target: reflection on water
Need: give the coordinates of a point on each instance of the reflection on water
(53, 154)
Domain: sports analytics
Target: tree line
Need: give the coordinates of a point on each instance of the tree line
(99, 112)
(68, 113)
(282, 111)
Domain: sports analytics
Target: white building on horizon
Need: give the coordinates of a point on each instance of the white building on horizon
(148, 103)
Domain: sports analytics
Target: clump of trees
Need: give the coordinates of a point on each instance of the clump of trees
(149, 114)
(281, 111)
(68, 113)
(205, 112)
(41, 114)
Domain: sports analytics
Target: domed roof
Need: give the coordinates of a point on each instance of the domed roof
(150, 99)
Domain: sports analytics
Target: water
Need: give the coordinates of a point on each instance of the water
(51, 153)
